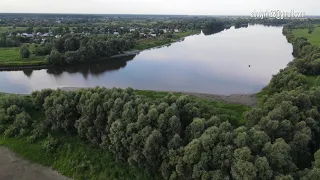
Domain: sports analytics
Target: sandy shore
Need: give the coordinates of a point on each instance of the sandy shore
(13, 167)
(244, 99)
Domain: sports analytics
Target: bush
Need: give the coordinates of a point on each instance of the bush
(2, 128)
(24, 52)
(11, 132)
(43, 50)
(49, 144)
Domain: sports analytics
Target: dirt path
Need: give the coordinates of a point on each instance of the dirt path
(13, 167)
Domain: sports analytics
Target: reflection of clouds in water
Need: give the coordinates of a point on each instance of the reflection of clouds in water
(232, 51)
(210, 64)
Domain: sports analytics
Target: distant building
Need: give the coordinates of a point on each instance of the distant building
(132, 30)
(47, 35)
(176, 30)
(27, 35)
(143, 35)
(116, 33)
(153, 35)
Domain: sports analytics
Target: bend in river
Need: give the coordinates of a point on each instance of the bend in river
(217, 64)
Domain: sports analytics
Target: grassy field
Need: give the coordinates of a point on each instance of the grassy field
(147, 43)
(187, 33)
(314, 37)
(11, 57)
(9, 29)
(235, 110)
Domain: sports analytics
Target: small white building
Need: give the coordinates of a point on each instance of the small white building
(176, 30)
(132, 30)
(27, 35)
(153, 35)
(143, 35)
(116, 33)
(47, 35)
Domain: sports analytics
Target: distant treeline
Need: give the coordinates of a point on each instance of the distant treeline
(72, 49)
(307, 55)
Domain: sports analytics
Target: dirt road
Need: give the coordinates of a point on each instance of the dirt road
(13, 167)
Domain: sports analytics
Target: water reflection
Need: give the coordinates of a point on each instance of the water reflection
(95, 68)
(208, 32)
(211, 62)
(28, 72)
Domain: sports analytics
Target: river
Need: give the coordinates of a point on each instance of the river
(217, 64)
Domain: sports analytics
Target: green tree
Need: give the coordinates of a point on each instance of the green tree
(24, 52)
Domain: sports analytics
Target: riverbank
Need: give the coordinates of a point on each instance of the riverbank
(237, 99)
(78, 157)
(39, 67)
(241, 99)
(36, 64)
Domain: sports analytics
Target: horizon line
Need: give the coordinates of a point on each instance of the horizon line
(135, 14)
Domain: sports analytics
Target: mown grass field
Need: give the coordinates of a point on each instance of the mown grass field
(313, 38)
(11, 57)
(6, 29)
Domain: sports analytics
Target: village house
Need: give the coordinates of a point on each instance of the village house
(143, 35)
(47, 35)
(153, 35)
(27, 35)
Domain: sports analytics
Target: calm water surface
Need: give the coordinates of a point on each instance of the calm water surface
(217, 63)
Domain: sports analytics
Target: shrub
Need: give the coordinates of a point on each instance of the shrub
(49, 144)
(24, 52)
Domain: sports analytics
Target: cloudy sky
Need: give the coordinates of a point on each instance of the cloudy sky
(191, 7)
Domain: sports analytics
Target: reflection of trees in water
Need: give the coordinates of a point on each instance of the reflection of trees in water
(94, 68)
(212, 31)
(28, 72)
(239, 25)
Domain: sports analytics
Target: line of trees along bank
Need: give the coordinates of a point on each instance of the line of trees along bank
(74, 49)
(307, 55)
(177, 138)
